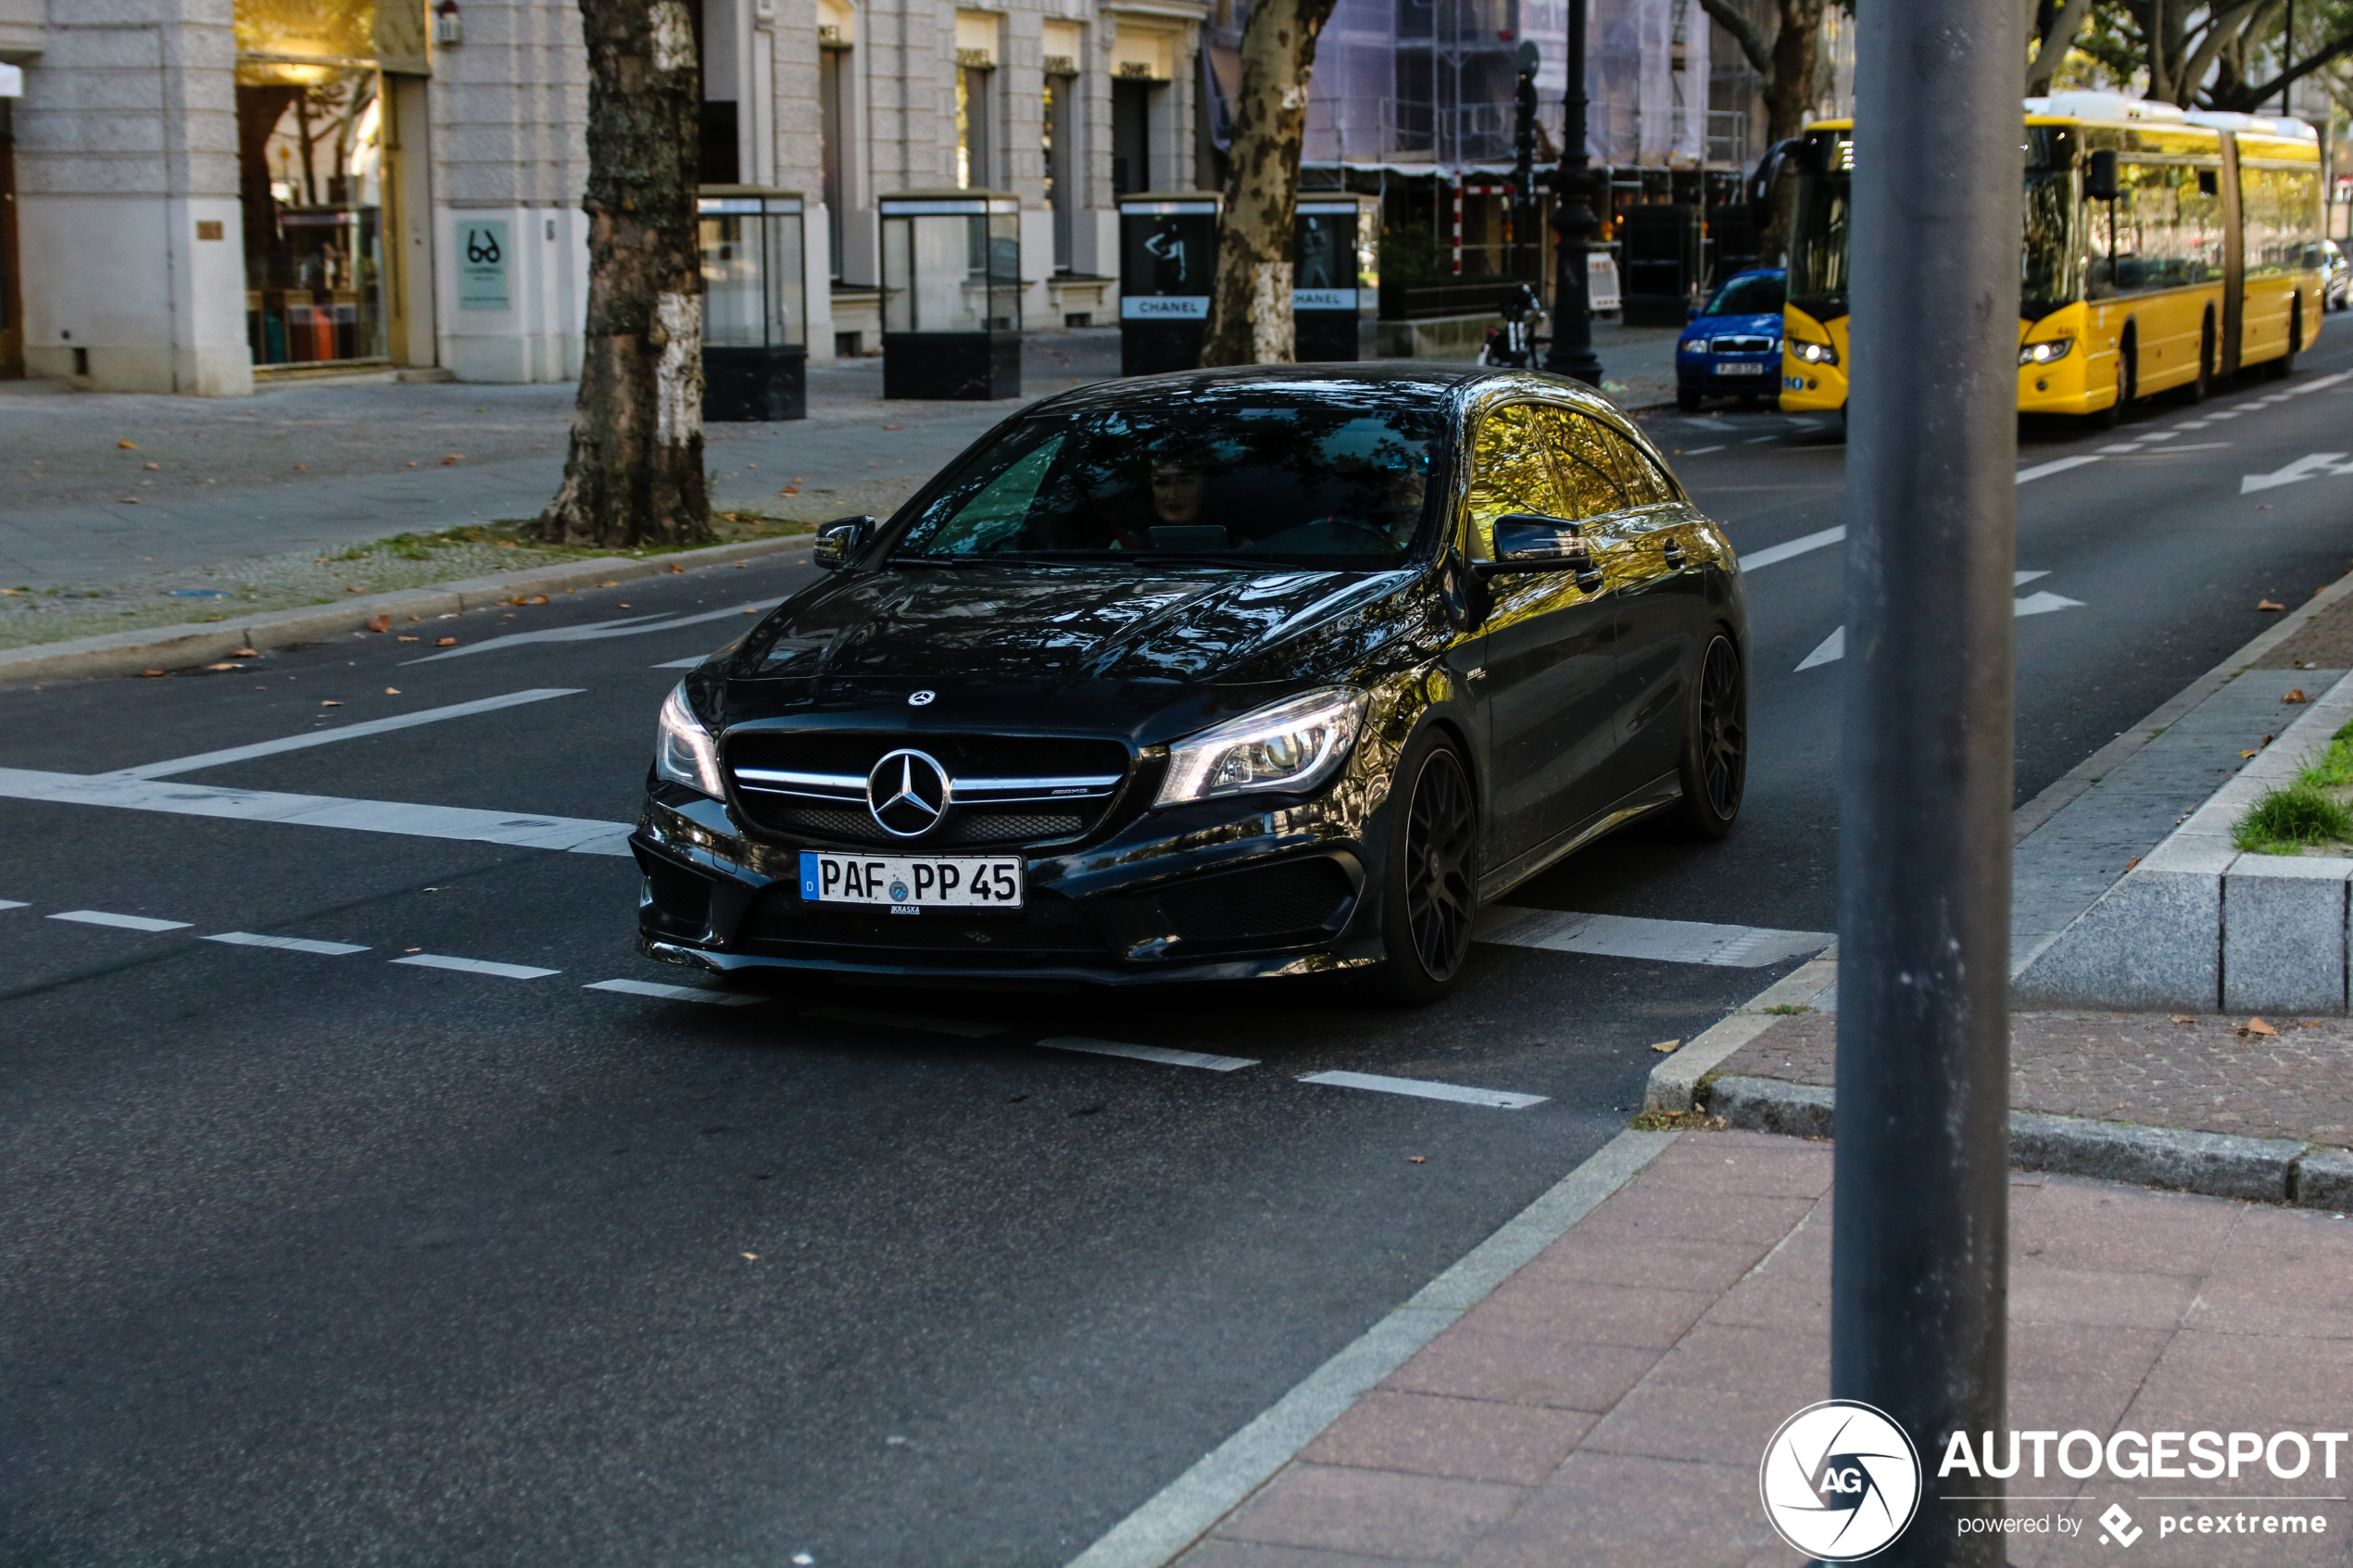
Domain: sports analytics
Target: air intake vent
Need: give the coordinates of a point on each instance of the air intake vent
(1293, 897)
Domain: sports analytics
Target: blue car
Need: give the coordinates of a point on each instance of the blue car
(1733, 346)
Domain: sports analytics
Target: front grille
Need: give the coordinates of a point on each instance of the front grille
(1291, 898)
(1008, 789)
(1744, 345)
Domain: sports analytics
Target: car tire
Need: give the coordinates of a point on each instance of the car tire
(1430, 875)
(1713, 766)
(2201, 386)
(1687, 400)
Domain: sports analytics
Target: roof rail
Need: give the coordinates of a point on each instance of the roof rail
(2105, 106)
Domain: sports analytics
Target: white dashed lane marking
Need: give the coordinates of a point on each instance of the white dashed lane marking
(1161, 1054)
(125, 922)
(341, 732)
(674, 993)
(14, 904)
(969, 1031)
(1626, 936)
(477, 966)
(626, 626)
(290, 943)
(1421, 1088)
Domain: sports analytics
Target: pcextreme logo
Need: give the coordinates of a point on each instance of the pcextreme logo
(1839, 1481)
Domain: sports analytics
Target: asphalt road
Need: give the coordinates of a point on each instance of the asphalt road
(319, 1256)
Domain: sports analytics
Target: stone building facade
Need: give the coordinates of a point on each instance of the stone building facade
(202, 193)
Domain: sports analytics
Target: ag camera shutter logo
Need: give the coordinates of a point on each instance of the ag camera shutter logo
(1839, 1481)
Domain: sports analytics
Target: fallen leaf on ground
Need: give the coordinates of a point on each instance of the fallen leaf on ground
(1664, 1046)
(127, 445)
(751, 609)
(620, 606)
(2243, 755)
(608, 584)
(380, 624)
(2310, 1024)
(245, 653)
(392, 691)
(2131, 863)
(2266, 604)
(404, 637)
(2257, 1026)
(508, 544)
(445, 642)
(789, 489)
(675, 567)
(2295, 696)
(331, 702)
(156, 467)
(753, 1256)
(150, 672)
(2185, 1018)
(131, 500)
(453, 457)
(302, 468)
(1417, 1160)
(351, 590)
(539, 598)
(894, 427)
(224, 666)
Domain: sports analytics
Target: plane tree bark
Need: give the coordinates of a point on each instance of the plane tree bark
(1787, 61)
(633, 476)
(1250, 319)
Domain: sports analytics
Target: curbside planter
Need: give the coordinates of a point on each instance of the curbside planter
(2214, 1164)
(183, 647)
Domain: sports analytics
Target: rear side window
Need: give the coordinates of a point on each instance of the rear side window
(1587, 465)
(1645, 485)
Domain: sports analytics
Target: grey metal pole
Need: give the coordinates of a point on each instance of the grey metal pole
(1572, 349)
(1919, 1277)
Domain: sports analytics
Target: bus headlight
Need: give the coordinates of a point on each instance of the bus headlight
(2045, 353)
(1813, 353)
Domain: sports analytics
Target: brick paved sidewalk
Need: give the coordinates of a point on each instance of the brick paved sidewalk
(2203, 1074)
(1610, 1403)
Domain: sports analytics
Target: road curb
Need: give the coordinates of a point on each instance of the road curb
(2283, 1171)
(186, 647)
(1674, 1082)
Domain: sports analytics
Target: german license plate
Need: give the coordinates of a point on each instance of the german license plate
(1740, 369)
(907, 885)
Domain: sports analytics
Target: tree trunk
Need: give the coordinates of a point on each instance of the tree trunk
(1250, 320)
(1789, 87)
(2055, 38)
(635, 473)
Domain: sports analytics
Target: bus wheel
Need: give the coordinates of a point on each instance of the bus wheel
(2286, 364)
(2198, 389)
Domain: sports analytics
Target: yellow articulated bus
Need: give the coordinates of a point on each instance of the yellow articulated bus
(2162, 248)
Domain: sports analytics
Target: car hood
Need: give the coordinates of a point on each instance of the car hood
(1035, 624)
(1709, 326)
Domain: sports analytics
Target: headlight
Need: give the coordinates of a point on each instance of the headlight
(1291, 745)
(2044, 353)
(683, 751)
(1813, 353)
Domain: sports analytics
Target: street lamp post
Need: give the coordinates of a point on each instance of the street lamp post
(1919, 1243)
(1572, 350)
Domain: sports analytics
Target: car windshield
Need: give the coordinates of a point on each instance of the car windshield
(1323, 480)
(1756, 295)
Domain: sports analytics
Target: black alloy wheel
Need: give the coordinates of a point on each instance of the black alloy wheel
(1714, 769)
(1432, 876)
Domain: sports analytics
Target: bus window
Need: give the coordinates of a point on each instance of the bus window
(2281, 210)
(1818, 244)
(2163, 231)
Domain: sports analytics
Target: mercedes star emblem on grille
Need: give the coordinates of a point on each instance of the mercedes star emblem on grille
(907, 793)
(921, 699)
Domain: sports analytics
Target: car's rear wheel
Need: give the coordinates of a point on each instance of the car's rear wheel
(1430, 874)
(1714, 769)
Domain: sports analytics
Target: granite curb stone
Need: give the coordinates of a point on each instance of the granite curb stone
(187, 647)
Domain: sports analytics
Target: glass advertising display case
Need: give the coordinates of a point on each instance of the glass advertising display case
(951, 295)
(755, 335)
(1167, 256)
(1335, 297)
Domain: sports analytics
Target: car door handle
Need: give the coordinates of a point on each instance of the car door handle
(1674, 553)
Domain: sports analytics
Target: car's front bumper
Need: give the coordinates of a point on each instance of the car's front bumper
(1219, 890)
(1757, 375)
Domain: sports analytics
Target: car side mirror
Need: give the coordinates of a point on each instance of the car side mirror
(838, 540)
(1530, 541)
(1690, 313)
(2099, 176)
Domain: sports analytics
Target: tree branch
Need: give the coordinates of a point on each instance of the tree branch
(2055, 45)
(2271, 89)
(1753, 43)
(2226, 24)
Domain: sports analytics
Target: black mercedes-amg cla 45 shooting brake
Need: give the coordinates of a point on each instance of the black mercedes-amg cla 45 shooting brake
(1208, 676)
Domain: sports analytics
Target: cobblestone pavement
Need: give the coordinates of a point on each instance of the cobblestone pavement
(1610, 1403)
(2204, 1073)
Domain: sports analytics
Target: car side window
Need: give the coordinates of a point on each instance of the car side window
(1589, 470)
(1645, 485)
(1511, 471)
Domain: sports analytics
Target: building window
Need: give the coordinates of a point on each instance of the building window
(973, 163)
(832, 70)
(1131, 121)
(1061, 191)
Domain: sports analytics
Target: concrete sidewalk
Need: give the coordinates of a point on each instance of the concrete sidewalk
(1609, 1404)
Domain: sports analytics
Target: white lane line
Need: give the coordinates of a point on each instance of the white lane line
(2019, 578)
(2123, 446)
(2303, 467)
(1421, 1088)
(342, 731)
(477, 966)
(1703, 451)
(1759, 440)
(628, 626)
(1829, 650)
(2058, 465)
(125, 922)
(1165, 1057)
(291, 943)
(14, 904)
(686, 663)
(2043, 604)
(1787, 548)
(580, 836)
(906, 1021)
(1833, 648)
(1626, 937)
(2191, 424)
(2187, 446)
(674, 993)
(2226, 413)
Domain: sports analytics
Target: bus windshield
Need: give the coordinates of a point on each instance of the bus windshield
(1817, 260)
